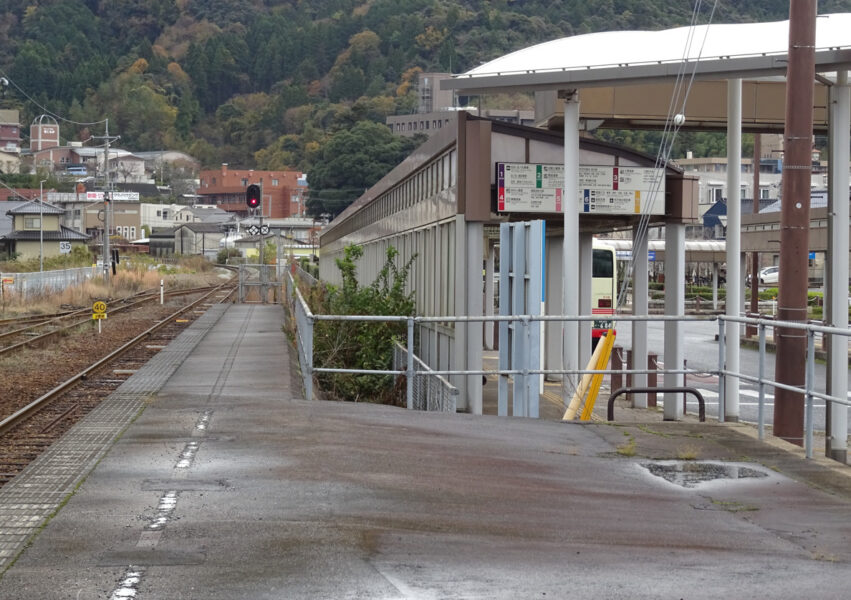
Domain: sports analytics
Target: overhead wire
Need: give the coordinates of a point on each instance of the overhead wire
(43, 108)
(9, 81)
(677, 106)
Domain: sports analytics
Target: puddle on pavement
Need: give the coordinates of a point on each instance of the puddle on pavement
(691, 474)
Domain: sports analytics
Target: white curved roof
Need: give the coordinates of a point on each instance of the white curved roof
(754, 48)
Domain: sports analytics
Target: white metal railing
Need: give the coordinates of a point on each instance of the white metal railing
(305, 320)
(808, 390)
(431, 393)
(33, 284)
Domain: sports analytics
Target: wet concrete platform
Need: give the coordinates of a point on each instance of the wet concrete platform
(229, 485)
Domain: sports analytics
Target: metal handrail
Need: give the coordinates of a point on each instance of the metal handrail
(762, 323)
(701, 405)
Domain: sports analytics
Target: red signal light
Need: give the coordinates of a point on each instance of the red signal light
(252, 196)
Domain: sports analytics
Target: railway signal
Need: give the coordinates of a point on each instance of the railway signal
(252, 196)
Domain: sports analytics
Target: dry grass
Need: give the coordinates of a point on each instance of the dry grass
(688, 452)
(131, 278)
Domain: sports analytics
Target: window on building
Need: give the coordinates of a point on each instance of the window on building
(32, 222)
(715, 194)
(133, 232)
(244, 182)
(159, 213)
(275, 182)
(214, 181)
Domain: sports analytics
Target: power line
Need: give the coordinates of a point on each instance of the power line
(8, 80)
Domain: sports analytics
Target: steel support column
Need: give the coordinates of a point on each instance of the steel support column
(458, 347)
(489, 295)
(754, 306)
(570, 264)
(675, 277)
(473, 276)
(640, 307)
(837, 292)
(586, 258)
(734, 244)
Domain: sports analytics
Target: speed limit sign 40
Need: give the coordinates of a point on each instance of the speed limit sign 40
(99, 307)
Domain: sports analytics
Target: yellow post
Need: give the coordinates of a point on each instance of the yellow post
(597, 380)
(570, 413)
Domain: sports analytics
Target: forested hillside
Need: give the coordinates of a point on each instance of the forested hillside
(268, 83)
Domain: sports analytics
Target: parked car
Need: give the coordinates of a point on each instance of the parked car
(769, 275)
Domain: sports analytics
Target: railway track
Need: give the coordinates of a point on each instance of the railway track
(33, 428)
(37, 330)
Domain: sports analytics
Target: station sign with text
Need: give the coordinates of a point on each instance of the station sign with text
(529, 187)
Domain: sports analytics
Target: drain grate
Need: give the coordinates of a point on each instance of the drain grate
(691, 474)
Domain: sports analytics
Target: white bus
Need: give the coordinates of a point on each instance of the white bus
(604, 289)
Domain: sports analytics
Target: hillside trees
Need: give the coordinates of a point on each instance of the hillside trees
(350, 162)
(271, 83)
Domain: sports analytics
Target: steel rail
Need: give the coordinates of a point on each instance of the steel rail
(44, 320)
(122, 308)
(33, 407)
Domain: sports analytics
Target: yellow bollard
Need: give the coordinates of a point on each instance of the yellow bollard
(573, 407)
(597, 380)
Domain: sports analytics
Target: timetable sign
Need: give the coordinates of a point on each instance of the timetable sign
(525, 187)
(622, 190)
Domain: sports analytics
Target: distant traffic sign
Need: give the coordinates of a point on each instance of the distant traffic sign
(253, 230)
(99, 307)
(96, 316)
(264, 230)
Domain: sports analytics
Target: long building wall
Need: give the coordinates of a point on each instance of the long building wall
(440, 205)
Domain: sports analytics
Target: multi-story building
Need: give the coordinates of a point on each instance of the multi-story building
(10, 132)
(84, 212)
(284, 192)
(437, 109)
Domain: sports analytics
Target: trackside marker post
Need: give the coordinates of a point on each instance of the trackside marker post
(99, 312)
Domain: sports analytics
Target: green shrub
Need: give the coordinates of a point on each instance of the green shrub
(360, 344)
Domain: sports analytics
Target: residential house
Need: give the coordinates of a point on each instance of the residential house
(36, 231)
(198, 238)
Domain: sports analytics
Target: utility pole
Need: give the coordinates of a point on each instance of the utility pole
(41, 227)
(790, 366)
(107, 210)
(262, 237)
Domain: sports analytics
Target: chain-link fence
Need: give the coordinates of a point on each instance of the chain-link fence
(34, 284)
(431, 392)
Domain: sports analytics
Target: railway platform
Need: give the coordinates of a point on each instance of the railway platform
(206, 475)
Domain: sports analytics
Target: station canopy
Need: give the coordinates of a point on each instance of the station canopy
(604, 61)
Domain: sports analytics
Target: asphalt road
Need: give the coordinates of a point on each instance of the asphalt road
(701, 353)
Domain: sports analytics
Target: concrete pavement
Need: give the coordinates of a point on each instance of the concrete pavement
(229, 485)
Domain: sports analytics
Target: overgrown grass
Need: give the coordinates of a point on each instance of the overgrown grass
(132, 276)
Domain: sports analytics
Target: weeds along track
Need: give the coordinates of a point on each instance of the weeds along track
(50, 387)
(31, 331)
